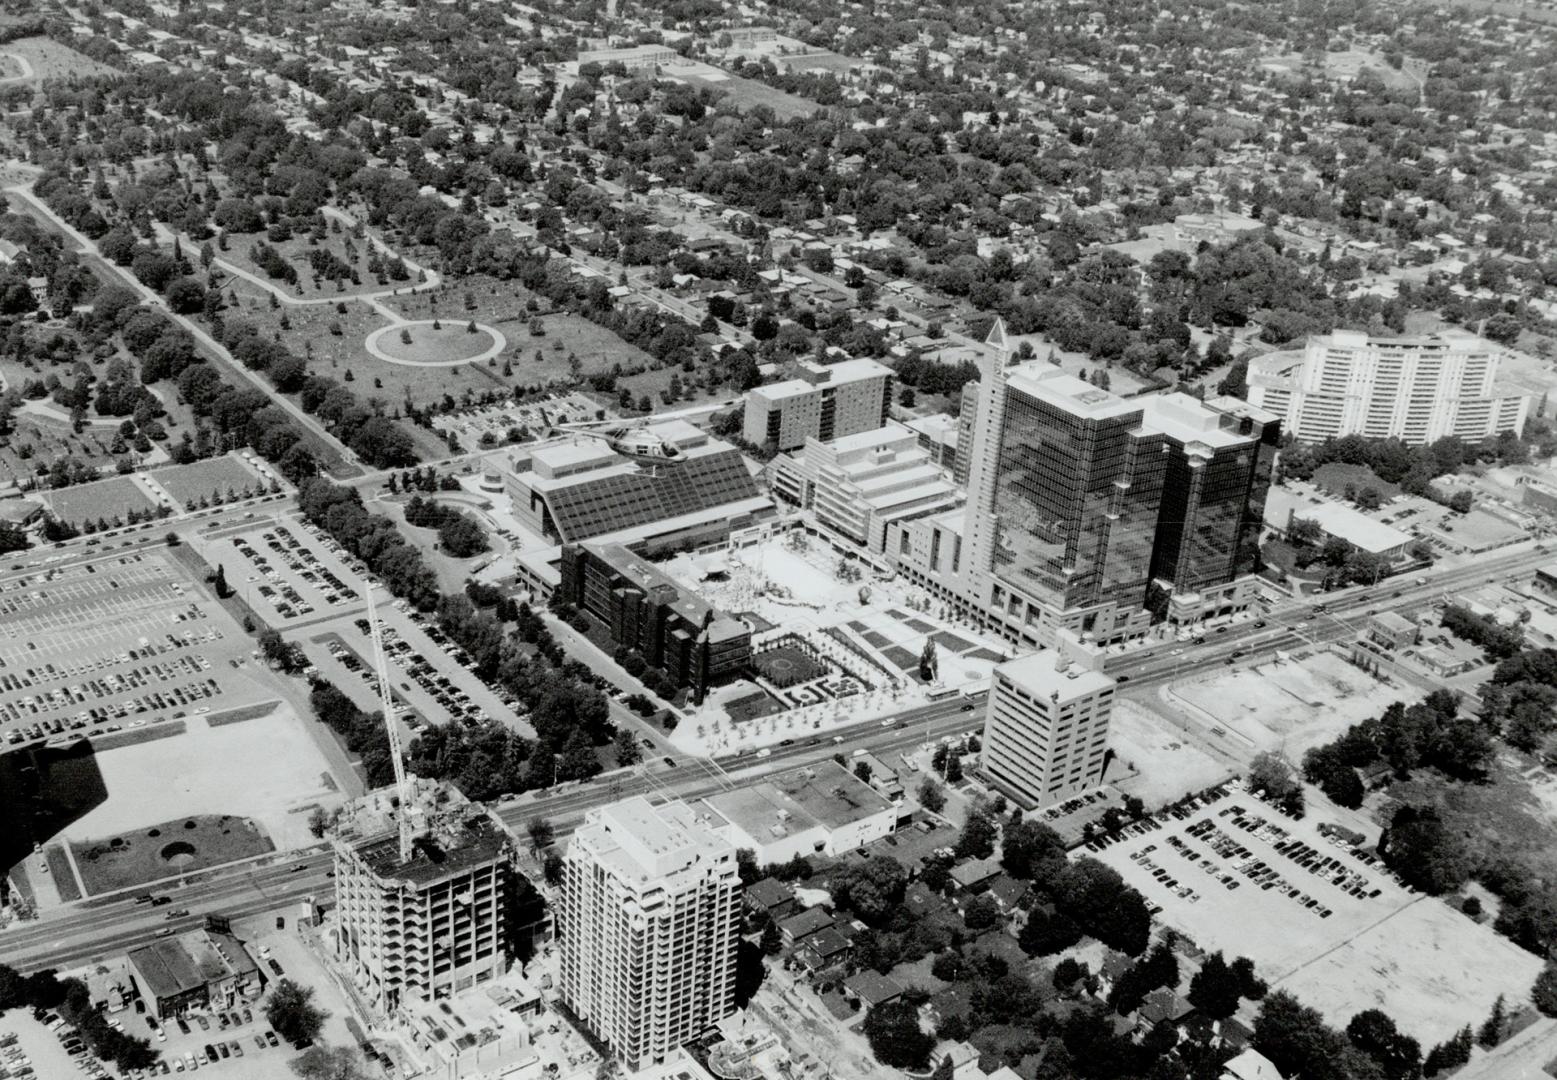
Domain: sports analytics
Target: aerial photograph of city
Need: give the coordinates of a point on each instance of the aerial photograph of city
(747, 540)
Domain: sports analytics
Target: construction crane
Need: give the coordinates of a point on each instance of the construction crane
(391, 725)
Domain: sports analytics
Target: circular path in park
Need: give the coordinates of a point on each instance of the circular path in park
(449, 346)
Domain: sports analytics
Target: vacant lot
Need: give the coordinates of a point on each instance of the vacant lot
(1167, 764)
(267, 770)
(165, 849)
(1290, 705)
(748, 94)
(1428, 966)
(1343, 67)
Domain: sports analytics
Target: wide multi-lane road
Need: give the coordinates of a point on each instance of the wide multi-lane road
(107, 926)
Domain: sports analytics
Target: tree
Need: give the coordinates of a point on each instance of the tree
(627, 752)
(1296, 1039)
(1449, 1055)
(977, 839)
(541, 834)
(872, 888)
(981, 912)
(1398, 1056)
(1496, 1024)
(1214, 990)
(1424, 852)
(291, 1011)
(1544, 992)
(772, 939)
(223, 591)
(1045, 934)
(930, 796)
(929, 665)
(1028, 845)
(895, 1037)
(330, 1063)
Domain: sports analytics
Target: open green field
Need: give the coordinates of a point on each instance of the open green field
(51, 60)
(748, 94)
(1344, 67)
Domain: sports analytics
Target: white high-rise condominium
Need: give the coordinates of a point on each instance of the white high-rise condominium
(1417, 389)
(648, 926)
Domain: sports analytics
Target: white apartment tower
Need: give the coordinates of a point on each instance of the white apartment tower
(648, 924)
(823, 401)
(1417, 389)
(1046, 729)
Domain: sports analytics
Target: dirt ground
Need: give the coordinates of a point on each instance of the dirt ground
(1427, 966)
(268, 769)
(1166, 762)
(1290, 705)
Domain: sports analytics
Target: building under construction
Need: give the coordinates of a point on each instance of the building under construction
(432, 921)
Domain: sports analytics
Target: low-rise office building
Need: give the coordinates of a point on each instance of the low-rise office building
(1046, 729)
(200, 969)
(815, 809)
(859, 485)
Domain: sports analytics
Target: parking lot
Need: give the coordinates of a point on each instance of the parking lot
(285, 573)
(1234, 874)
(115, 643)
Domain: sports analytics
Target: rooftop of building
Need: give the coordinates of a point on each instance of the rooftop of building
(1188, 420)
(1047, 382)
(450, 835)
(824, 795)
(889, 434)
(642, 841)
(179, 965)
(1336, 519)
(813, 376)
(687, 603)
(1047, 672)
(1394, 622)
(451, 1027)
(941, 427)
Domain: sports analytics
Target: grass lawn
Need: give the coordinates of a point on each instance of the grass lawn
(51, 60)
(64, 877)
(531, 362)
(450, 341)
(238, 716)
(1335, 476)
(748, 93)
(164, 850)
(110, 499)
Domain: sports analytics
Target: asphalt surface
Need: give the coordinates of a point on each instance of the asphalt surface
(105, 927)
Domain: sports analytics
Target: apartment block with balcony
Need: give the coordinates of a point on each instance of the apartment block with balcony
(648, 918)
(823, 401)
(1416, 389)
